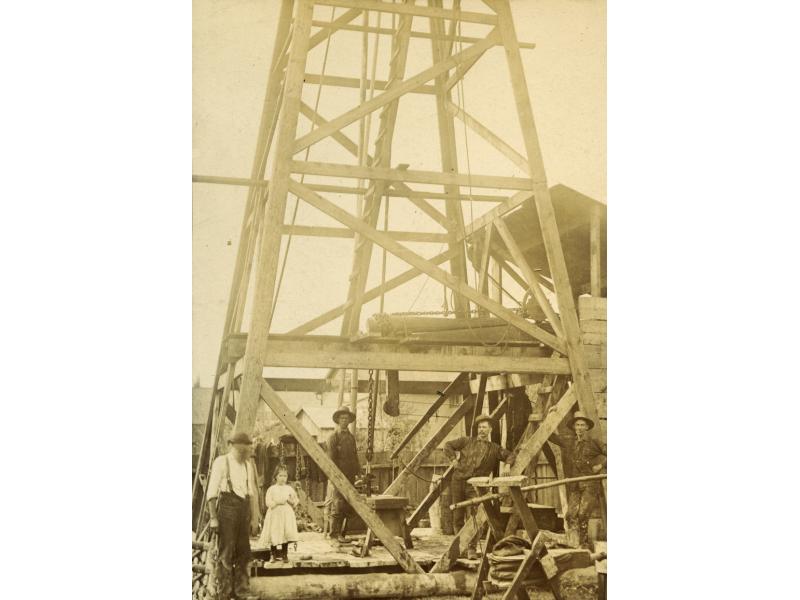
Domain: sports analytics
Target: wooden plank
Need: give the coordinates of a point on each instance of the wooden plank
(433, 442)
(453, 389)
(483, 567)
(429, 499)
(423, 265)
(524, 512)
(340, 232)
(419, 11)
(449, 157)
(544, 207)
(594, 326)
(461, 71)
(529, 275)
(335, 476)
(495, 213)
(387, 286)
(407, 175)
(414, 34)
(483, 271)
(324, 352)
(591, 308)
(353, 82)
(595, 258)
(391, 94)
(528, 448)
(493, 139)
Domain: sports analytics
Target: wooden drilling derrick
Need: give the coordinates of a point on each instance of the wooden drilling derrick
(550, 346)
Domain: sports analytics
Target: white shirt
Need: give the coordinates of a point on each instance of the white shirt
(240, 476)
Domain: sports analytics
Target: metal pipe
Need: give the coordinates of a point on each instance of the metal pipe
(528, 488)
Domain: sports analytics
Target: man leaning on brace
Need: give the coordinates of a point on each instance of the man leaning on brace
(473, 457)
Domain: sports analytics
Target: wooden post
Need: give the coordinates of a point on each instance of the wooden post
(544, 208)
(338, 479)
(244, 252)
(354, 399)
(449, 154)
(595, 261)
(266, 272)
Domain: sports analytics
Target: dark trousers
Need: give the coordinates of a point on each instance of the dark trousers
(460, 490)
(340, 508)
(582, 500)
(233, 514)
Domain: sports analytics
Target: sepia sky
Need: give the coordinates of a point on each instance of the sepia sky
(232, 48)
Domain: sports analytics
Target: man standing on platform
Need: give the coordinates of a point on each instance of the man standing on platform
(583, 456)
(233, 507)
(473, 458)
(342, 451)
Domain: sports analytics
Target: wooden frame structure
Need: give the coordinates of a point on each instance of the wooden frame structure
(557, 350)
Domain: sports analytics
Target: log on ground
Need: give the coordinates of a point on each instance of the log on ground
(373, 585)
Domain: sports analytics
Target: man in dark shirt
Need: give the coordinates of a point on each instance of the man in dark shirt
(582, 456)
(473, 458)
(342, 451)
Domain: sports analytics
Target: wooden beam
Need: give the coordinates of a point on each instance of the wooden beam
(388, 174)
(354, 82)
(418, 11)
(389, 285)
(483, 271)
(312, 353)
(393, 93)
(339, 232)
(423, 265)
(429, 499)
(449, 158)
(414, 34)
(547, 219)
(396, 192)
(433, 442)
(270, 241)
(529, 447)
(243, 181)
(498, 211)
(337, 478)
(494, 140)
(529, 274)
(461, 71)
(453, 389)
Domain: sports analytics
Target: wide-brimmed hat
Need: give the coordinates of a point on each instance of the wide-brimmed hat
(240, 438)
(486, 418)
(578, 415)
(343, 411)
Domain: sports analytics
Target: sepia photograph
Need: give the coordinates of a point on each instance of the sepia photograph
(399, 299)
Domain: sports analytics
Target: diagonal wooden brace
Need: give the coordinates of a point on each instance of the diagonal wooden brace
(338, 479)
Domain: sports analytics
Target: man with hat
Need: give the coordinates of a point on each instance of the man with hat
(583, 456)
(473, 457)
(233, 508)
(342, 451)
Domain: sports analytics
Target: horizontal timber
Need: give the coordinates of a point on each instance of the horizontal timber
(340, 353)
(354, 82)
(417, 11)
(414, 34)
(429, 177)
(341, 232)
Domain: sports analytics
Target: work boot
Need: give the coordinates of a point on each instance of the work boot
(336, 529)
(273, 554)
(285, 553)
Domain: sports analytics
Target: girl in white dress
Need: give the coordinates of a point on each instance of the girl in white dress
(280, 524)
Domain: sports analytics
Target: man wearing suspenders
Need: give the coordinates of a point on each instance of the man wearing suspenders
(232, 491)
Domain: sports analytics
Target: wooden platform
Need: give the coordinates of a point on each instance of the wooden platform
(327, 554)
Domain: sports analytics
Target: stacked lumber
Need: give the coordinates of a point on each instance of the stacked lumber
(592, 312)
